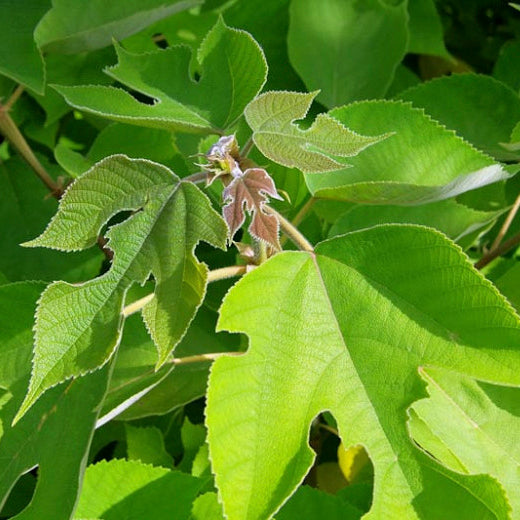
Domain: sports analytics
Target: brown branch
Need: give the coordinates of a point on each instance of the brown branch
(500, 250)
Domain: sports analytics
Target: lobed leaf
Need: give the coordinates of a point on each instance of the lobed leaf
(421, 162)
(78, 327)
(345, 330)
(249, 192)
(317, 149)
(233, 72)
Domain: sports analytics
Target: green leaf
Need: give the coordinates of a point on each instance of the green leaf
(129, 489)
(24, 211)
(346, 48)
(507, 66)
(421, 162)
(20, 58)
(309, 503)
(455, 220)
(78, 327)
(477, 423)
(233, 72)
(509, 285)
(426, 35)
(64, 418)
(134, 370)
(147, 445)
(317, 149)
(206, 507)
(84, 68)
(345, 330)
(73, 26)
(479, 108)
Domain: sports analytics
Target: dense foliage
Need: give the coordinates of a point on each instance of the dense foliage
(259, 259)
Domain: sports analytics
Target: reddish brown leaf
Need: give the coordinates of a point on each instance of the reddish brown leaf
(249, 192)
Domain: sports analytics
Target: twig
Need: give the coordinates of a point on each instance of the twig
(506, 224)
(14, 97)
(213, 276)
(291, 231)
(328, 428)
(500, 250)
(297, 220)
(9, 129)
(247, 147)
(203, 357)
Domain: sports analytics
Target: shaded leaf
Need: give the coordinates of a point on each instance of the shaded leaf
(346, 48)
(25, 209)
(249, 192)
(65, 417)
(507, 66)
(479, 108)
(147, 445)
(425, 29)
(459, 222)
(206, 507)
(320, 325)
(233, 72)
(421, 162)
(129, 489)
(317, 149)
(73, 26)
(78, 327)
(20, 57)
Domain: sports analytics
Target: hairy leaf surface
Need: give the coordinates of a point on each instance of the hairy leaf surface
(345, 330)
(78, 327)
(421, 162)
(233, 70)
(317, 149)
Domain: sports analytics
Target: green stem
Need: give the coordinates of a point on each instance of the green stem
(291, 231)
(260, 250)
(11, 132)
(213, 276)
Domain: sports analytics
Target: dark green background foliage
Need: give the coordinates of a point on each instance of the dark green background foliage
(366, 364)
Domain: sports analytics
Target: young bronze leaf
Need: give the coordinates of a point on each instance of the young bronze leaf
(248, 192)
(78, 327)
(317, 149)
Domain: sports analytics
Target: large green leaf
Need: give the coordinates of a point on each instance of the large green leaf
(25, 209)
(233, 70)
(317, 149)
(479, 108)
(345, 330)
(457, 221)
(73, 26)
(477, 423)
(346, 48)
(20, 58)
(129, 489)
(421, 162)
(78, 327)
(56, 433)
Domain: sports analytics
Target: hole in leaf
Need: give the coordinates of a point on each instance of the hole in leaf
(160, 40)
